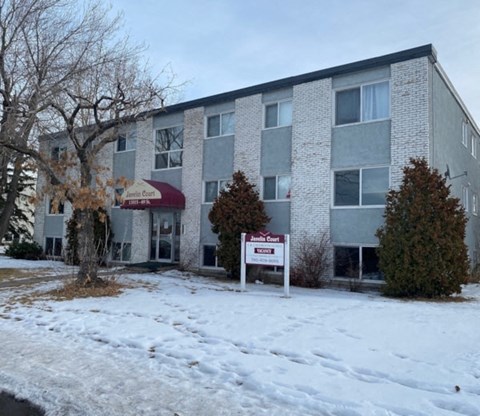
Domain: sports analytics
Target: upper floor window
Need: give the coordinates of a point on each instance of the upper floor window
(276, 187)
(465, 133)
(55, 207)
(213, 188)
(474, 204)
(169, 148)
(58, 152)
(364, 103)
(473, 141)
(465, 198)
(278, 114)
(221, 125)
(118, 199)
(361, 187)
(127, 141)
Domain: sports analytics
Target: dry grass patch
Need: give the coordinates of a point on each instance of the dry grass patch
(12, 274)
(71, 290)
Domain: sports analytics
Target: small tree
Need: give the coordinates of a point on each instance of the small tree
(238, 209)
(421, 245)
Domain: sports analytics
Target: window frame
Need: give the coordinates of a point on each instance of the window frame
(121, 251)
(465, 198)
(219, 182)
(54, 238)
(155, 153)
(278, 104)
(130, 137)
(473, 143)
(361, 272)
(61, 208)
(361, 86)
(474, 204)
(465, 133)
(360, 187)
(217, 264)
(221, 133)
(117, 202)
(288, 198)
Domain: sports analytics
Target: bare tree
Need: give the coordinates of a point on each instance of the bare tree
(84, 82)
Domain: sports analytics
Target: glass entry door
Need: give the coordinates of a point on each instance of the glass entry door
(162, 236)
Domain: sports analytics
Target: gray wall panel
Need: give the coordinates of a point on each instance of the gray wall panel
(170, 176)
(218, 158)
(164, 120)
(343, 81)
(220, 108)
(122, 224)
(54, 225)
(278, 95)
(361, 144)
(356, 226)
(279, 212)
(124, 164)
(276, 153)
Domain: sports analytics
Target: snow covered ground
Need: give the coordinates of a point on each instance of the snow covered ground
(182, 344)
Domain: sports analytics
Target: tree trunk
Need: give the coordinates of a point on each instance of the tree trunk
(9, 206)
(87, 252)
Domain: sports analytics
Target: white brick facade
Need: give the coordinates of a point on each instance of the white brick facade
(193, 137)
(248, 137)
(311, 148)
(410, 109)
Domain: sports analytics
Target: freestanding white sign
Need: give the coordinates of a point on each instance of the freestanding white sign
(264, 248)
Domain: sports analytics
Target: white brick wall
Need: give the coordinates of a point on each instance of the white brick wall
(409, 114)
(143, 168)
(193, 137)
(248, 135)
(311, 148)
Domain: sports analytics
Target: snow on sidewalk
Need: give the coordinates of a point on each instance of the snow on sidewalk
(178, 343)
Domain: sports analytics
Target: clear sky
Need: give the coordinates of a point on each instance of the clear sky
(217, 46)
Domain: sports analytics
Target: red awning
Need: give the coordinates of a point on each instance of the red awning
(152, 194)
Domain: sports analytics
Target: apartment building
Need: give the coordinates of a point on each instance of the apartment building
(323, 148)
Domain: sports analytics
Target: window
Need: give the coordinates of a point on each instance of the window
(465, 133)
(58, 152)
(213, 188)
(126, 142)
(55, 207)
(473, 141)
(221, 125)
(276, 187)
(465, 198)
(361, 187)
(356, 263)
(169, 148)
(210, 256)
(118, 197)
(474, 204)
(278, 114)
(364, 103)
(121, 251)
(53, 246)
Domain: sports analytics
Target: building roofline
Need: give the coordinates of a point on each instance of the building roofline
(418, 52)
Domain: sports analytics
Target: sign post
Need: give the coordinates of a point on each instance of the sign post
(266, 249)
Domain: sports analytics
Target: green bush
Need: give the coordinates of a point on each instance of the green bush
(25, 250)
(421, 250)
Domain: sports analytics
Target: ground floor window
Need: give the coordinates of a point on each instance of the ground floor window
(210, 258)
(53, 246)
(121, 251)
(356, 262)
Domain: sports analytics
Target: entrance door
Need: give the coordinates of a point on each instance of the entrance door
(164, 236)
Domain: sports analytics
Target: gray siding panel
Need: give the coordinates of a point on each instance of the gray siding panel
(170, 176)
(277, 95)
(122, 225)
(355, 226)
(164, 120)
(276, 152)
(361, 144)
(371, 75)
(218, 158)
(124, 164)
(225, 107)
(54, 225)
(279, 212)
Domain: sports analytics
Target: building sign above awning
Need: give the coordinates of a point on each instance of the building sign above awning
(152, 194)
